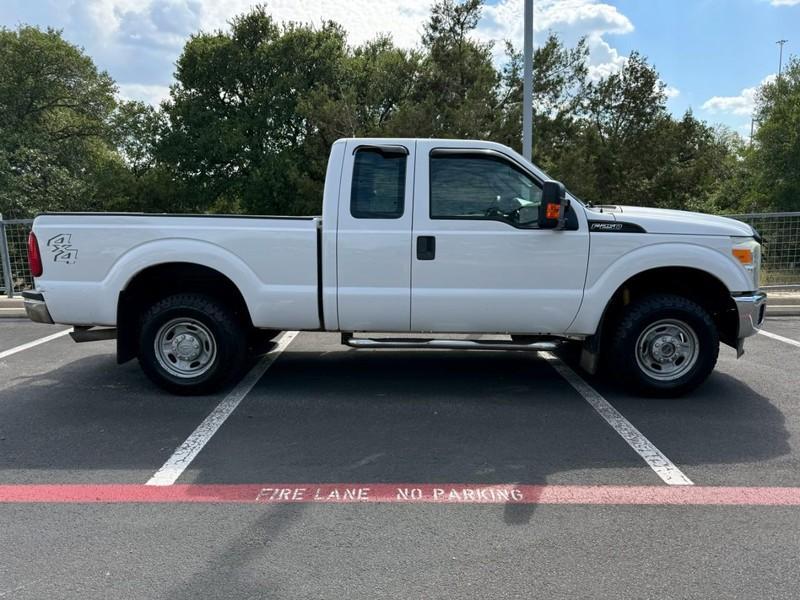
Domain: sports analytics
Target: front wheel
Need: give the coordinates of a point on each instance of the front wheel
(664, 345)
(191, 344)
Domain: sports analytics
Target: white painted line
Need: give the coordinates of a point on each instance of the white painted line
(34, 343)
(780, 338)
(186, 452)
(662, 466)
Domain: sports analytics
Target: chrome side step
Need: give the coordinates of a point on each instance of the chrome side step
(433, 344)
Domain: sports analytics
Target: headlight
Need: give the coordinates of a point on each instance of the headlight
(748, 252)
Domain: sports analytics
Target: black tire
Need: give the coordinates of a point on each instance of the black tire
(652, 317)
(217, 328)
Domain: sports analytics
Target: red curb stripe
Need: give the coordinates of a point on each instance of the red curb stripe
(403, 493)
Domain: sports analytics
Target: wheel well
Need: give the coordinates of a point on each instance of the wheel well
(165, 279)
(695, 284)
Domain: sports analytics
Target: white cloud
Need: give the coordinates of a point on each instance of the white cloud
(167, 22)
(739, 105)
(742, 104)
(744, 130)
(363, 19)
(784, 2)
(151, 24)
(671, 92)
(150, 94)
(138, 41)
(570, 19)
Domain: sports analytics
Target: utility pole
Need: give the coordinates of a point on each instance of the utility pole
(780, 59)
(527, 83)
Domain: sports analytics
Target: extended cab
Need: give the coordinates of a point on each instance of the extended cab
(426, 236)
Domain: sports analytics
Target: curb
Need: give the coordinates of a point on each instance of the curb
(783, 304)
(783, 311)
(11, 308)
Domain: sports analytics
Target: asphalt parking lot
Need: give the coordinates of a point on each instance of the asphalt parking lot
(395, 474)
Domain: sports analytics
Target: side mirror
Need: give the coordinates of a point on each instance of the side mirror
(553, 209)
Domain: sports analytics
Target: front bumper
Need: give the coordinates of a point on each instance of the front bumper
(36, 307)
(751, 307)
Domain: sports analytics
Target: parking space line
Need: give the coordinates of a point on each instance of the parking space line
(656, 459)
(34, 343)
(186, 452)
(401, 493)
(780, 338)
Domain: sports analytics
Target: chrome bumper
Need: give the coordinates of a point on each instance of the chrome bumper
(751, 308)
(35, 307)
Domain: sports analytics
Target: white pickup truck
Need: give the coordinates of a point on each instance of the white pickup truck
(425, 236)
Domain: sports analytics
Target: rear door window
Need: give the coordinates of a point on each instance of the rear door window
(379, 184)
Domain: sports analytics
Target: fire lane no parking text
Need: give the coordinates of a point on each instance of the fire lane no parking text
(403, 493)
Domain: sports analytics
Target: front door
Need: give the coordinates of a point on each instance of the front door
(480, 262)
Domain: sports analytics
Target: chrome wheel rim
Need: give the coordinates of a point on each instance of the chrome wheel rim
(667, 349)
(185, 348)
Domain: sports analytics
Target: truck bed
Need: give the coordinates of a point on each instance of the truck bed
(89, 257)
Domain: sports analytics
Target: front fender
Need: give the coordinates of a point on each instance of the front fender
(605, 278)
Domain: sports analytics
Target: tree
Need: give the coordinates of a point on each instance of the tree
(136, 129)
(456, 86)
(236, 135)
(559, 89)
(624, 113)
(254, 110)
(693, 160)
(54, 110)
(776, 155)
(375, 83)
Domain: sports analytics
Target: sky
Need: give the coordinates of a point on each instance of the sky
(711, 54)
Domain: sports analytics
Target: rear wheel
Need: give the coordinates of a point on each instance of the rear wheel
(191, 344)
(664, 345)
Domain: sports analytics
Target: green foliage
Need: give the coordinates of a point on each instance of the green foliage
(455, 92)
(776, 157)
(765, 175)
(254, 110)
(54, 107)
(236, 128)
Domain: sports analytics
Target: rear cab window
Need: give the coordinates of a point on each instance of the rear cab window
(379, 184)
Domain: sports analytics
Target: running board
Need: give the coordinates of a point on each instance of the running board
(93, 334)
(371, 343)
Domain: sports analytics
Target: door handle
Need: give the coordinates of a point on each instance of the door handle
(426, 247)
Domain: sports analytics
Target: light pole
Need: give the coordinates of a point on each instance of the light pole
(780, 59)
(527, 83)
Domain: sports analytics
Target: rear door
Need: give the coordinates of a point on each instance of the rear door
(374, 236)
(480, 262)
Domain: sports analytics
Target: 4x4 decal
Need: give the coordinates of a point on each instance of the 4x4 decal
(61, 248)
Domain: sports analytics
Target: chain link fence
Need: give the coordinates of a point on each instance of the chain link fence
(780, 256)
(15, 275)
(780, 252)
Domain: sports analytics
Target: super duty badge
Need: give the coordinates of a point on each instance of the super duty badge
(595, 226)
(615, 227)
